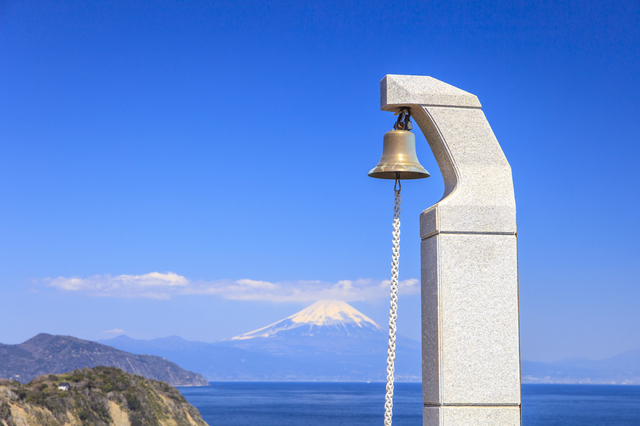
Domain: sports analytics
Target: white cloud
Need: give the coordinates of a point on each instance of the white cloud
(156, 285)
(114, 331)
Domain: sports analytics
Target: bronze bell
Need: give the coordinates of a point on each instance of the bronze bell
(399, 159)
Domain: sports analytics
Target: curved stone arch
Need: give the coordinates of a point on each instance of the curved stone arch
(478, 194)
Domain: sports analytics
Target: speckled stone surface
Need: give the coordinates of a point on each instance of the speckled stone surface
(471, 416)
(400, 90)
(479, 196)
(470, 318)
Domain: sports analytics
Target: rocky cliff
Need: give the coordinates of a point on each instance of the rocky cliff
(102, 396)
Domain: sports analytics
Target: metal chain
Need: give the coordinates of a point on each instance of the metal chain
(393, 310)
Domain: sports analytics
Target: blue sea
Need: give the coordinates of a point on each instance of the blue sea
(360, 404)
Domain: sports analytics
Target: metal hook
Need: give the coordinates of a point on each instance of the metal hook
(404, 120)
(397, 186)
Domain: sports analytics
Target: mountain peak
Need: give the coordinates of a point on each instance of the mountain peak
(54, 354)
(324, 313)
(329, 312)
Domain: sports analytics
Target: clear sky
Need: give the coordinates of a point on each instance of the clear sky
(200, 168)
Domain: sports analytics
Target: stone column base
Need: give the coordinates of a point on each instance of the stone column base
(506, 415)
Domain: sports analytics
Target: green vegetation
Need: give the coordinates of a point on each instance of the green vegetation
(5, 414)
(147, 402)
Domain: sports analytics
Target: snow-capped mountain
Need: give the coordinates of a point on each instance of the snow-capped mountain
(331, 340)
(328, 341)
(334, 316)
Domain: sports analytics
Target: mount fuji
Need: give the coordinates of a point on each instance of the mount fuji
(331, 317)
(327, 341)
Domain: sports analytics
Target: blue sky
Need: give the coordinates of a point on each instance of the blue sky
(225, 147)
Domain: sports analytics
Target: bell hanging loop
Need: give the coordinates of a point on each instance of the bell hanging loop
(399, 159)
(404, 120)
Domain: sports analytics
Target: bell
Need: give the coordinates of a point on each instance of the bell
(399, 159)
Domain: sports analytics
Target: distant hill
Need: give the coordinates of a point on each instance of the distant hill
(48, 354)
(621, 369)
(103, 396)
(214, 362)
(328, 341)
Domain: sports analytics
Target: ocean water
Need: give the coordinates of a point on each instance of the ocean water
(303, 404)
(360, 404)
(587, 405)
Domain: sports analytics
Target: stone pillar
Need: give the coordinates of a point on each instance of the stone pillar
(470, 320)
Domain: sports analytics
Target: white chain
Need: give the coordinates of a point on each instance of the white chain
(393, 311)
